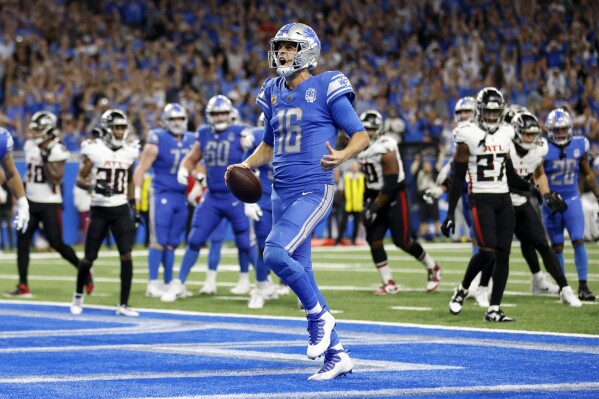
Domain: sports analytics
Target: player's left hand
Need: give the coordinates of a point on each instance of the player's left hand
(555, 202)
(370, 213)
(534, 192)
(252, 211)
(22, 218)
(137, 219)
(331, 160)
(448, 226)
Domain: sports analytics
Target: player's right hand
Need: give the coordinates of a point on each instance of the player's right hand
(22, 217)
(182, 175)
(555, 202)
(448, 226)
(431, 194)
(104, 188)
(252, 211)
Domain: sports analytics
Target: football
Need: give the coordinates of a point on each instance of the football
(244, 185)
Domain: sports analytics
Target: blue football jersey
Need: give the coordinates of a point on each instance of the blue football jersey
(265, 171)
(562, 165)
(170, 154)
(301, 123)
(219, 150)
(6, 142)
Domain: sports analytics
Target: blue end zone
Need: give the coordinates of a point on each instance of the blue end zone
(46, 352)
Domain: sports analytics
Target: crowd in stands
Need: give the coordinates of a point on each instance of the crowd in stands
(410, 59)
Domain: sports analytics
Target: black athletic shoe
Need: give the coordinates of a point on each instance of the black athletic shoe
(457, 300)
(497, 316)
(584, 294)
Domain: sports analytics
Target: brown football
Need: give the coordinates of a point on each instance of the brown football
(244, 185)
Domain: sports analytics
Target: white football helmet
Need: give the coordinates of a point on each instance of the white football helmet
(373, 123)
(464, 109)
(43, 126)
(307, 44)
(174, 118)
(559, 126)
(219, 112)
(527, 130)
(116, 126)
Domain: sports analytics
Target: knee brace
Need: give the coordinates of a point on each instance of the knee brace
(282, 264)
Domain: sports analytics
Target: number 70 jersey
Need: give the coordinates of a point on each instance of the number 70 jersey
(486, 165)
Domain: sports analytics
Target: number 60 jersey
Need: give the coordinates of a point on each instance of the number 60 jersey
(111, 168)
(486, 165)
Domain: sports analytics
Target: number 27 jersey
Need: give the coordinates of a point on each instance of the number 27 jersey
(486, 165)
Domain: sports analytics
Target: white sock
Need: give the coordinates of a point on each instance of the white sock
(538, 276)
(244, 277)
(493, 308)
(211, 275)
(428, 261)
(384, 272)
(315, 310)
(337, 347)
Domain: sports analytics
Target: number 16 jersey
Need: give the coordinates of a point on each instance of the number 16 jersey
(486, 165)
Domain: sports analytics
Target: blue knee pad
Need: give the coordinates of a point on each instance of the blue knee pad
(282, 264)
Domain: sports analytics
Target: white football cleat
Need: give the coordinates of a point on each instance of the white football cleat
(154, 289)
(336, 364)
(319, 329)
(209, 288)
(176, 289)
(243, 285)
(481, 296)
(124, 310)
(264, 291)
(76, 306)
(567, 297)
(283, 289)
(540, 284)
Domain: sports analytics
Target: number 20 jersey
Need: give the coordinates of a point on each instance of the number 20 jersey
(111, 167)
(486, 165)
(562, 168)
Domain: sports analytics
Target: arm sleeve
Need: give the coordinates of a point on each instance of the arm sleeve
(345, 116)
(457, 184)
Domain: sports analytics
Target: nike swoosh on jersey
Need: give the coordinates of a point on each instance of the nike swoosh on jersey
(306, 193)
(235, 203)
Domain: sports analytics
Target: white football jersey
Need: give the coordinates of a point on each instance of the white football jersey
(37, 186)
(526, 165)
(112, 168)
(486, 165)
(370, 159)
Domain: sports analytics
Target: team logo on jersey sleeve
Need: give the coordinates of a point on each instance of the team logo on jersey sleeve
(273, 100)
(311, 95)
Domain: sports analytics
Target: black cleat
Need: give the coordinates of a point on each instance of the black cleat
(497, 316)
(584, 294)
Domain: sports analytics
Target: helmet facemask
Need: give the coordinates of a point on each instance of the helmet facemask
(117, 128)
(306, 51)
(489, 109)
(43, 127)
(174, 118)
(527, 130)
(559, 127)
(219, 112)
(373, 123)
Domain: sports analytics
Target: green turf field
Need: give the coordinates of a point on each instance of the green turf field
(346, 276)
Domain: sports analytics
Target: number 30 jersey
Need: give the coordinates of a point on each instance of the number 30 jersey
(526, 164)
(486, 165)
(562, 165)
(372, 166)
(37, 186)
(111, 168)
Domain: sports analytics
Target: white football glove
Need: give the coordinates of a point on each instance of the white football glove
(182, 175)
(201, 178)
(22, 217)
(252, 211)
(431, 194)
